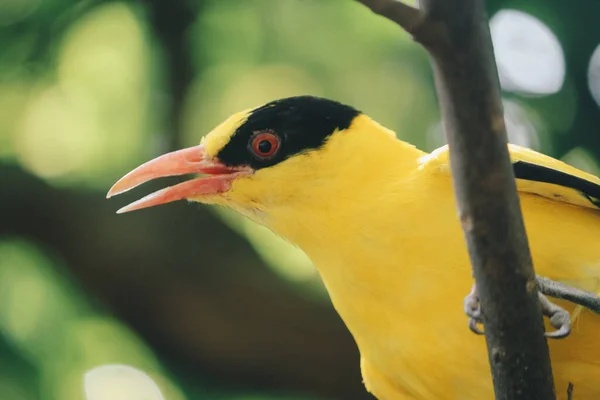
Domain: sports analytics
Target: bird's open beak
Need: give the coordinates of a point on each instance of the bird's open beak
(192, 160)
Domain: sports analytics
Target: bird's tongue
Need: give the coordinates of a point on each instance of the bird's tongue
(186, 161)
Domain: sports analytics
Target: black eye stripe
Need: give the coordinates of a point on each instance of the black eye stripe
(301, 123)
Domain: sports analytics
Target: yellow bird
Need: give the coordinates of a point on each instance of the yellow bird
(378, 218)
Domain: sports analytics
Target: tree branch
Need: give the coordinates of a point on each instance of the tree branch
(409, 18)
(570, 391)
(484, 183)
(170, 22)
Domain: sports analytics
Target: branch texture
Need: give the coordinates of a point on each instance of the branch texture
(409, 18)
(170, 21)
(488, 206)
(456, 34)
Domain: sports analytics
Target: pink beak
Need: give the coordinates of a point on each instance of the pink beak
(187, 161)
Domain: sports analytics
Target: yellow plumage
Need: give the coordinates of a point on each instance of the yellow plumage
(378, 219)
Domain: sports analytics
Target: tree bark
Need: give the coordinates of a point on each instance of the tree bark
(170, 22)
(456, 35)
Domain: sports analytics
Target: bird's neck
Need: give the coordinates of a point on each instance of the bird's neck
(368, 173)
(356, 224)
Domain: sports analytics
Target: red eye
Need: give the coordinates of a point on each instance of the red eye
(265, 144)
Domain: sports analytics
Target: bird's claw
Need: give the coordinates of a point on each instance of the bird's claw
(472, 308)
(559, 318)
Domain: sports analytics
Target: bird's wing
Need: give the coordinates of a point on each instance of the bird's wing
(539, 174)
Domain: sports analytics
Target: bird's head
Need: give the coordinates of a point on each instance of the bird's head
(293, 153)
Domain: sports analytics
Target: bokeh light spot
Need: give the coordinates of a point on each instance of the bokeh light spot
(523, 128)
(529, 57)
(120, 382)
(59, 134)
(32, 301)
(90, 121)
(594, 75)
(522, 125)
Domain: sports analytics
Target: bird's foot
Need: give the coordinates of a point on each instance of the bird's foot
(472, 308)
(559, 317)
(559, 290)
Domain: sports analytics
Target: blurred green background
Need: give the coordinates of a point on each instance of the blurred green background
(211, 305)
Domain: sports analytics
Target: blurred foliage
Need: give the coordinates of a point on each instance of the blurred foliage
(52, 327)
(89, 89)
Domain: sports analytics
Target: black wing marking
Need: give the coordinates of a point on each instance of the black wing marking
(534, 172)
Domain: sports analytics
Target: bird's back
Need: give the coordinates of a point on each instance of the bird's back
(400, 287)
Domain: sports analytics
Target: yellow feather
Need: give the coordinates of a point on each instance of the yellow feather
(220, 136)
(378, 219)
(440, 159)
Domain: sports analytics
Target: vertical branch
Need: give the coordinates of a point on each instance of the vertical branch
(456, 34)
(170, 23)
(488, 206)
